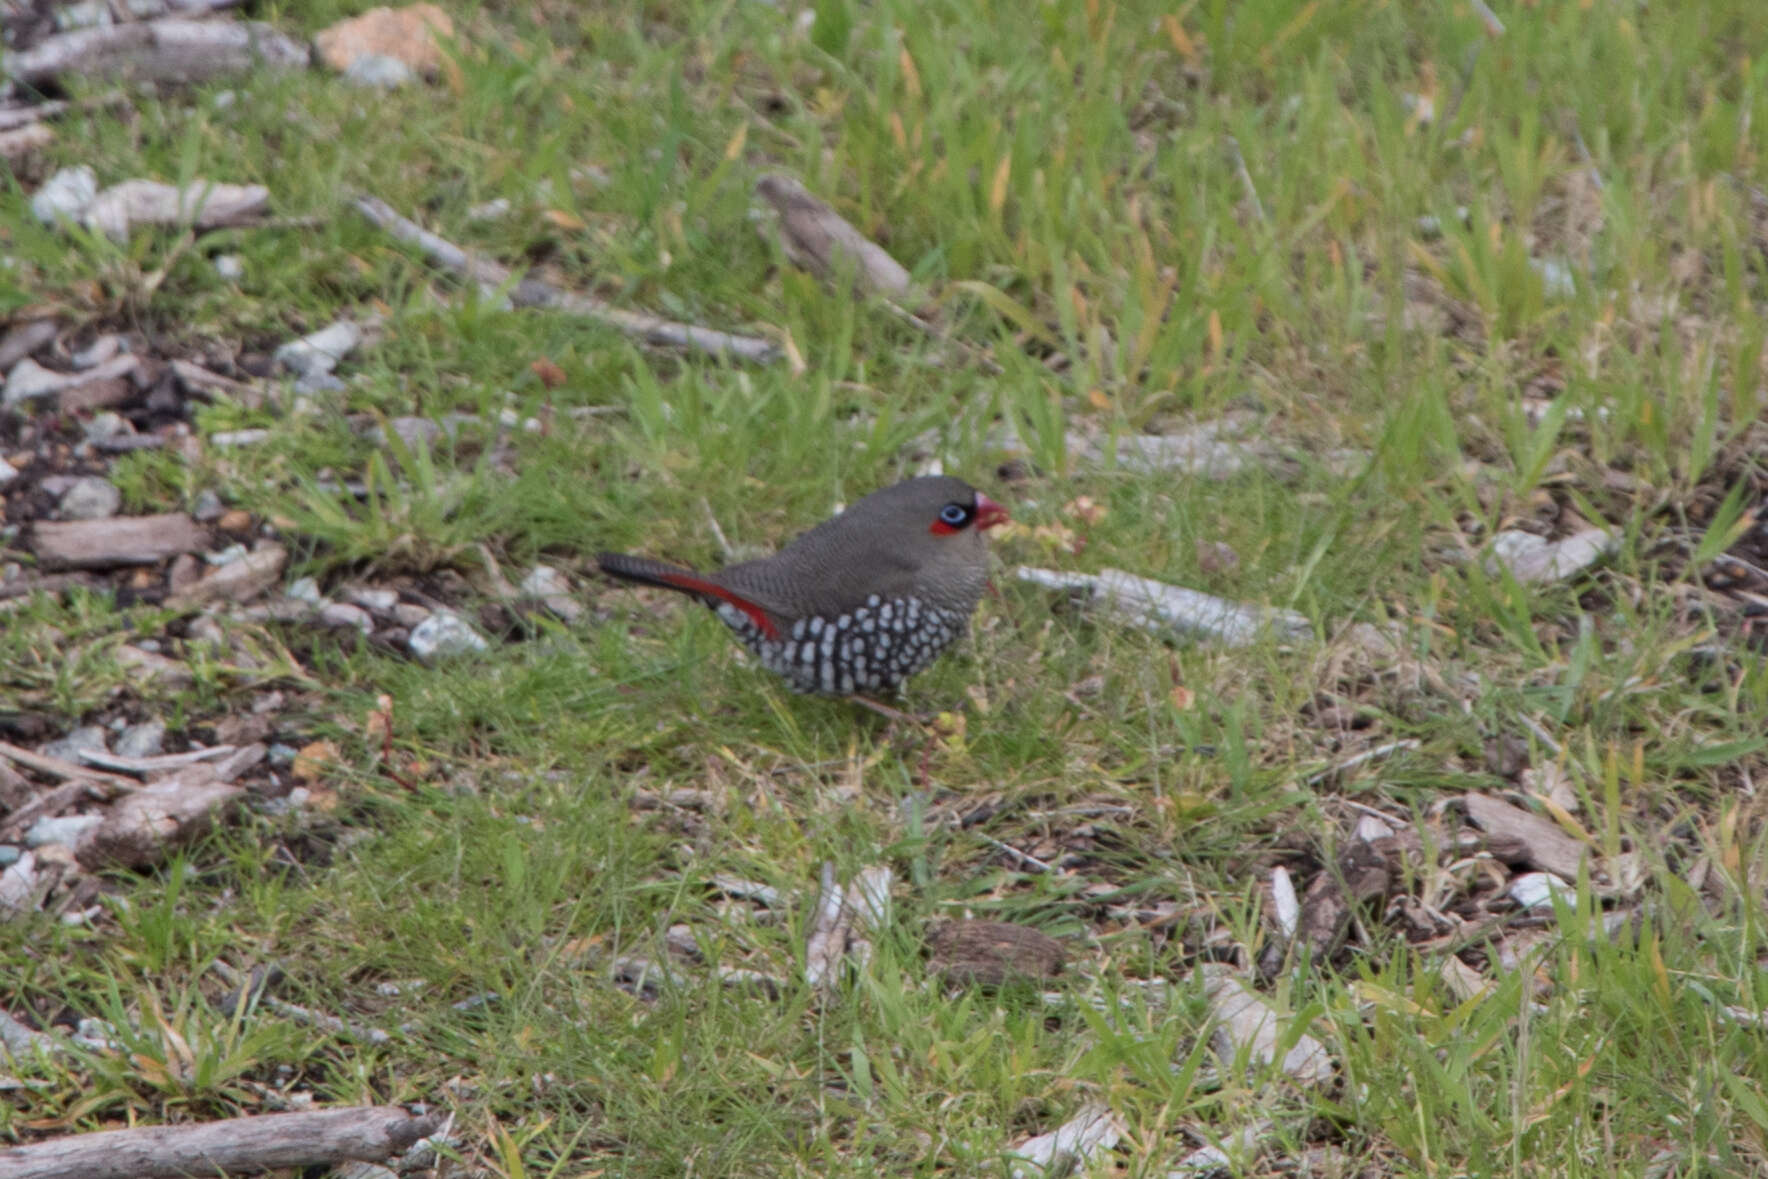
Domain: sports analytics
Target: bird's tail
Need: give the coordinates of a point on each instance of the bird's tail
(646, 571)
(663, 575)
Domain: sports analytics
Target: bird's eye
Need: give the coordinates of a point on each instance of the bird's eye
(954, 515)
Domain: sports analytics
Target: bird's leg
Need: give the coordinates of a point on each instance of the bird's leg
(894, 715)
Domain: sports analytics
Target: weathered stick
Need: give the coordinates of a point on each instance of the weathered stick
(531, 292)
(63, 769)
(360, 1133)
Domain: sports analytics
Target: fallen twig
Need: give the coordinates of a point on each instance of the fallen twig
(310, 1139)
(58, 768)
(492, 277)
(1155, 605)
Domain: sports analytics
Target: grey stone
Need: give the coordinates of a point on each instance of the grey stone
(444, 635)
(90, 498)
(9, 854)
(207, 507)
(306, 589)
(378, 601)
(379, 72)
(65, 830)
(204, 629)
(343, 615)
(229, 267)
(317, 354)
(69, 747)
(147, 739)
(107, 425)
(8, 472)
(67, 194)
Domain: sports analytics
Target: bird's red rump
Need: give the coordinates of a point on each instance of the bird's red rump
(699, 585)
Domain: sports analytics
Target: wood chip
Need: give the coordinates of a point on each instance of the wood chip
(236, 581)
(120, 540)
(823, 242)
(1519, 836)
(1533, 559)
(992, 953)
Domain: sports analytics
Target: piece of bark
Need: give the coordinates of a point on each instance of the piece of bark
(1534, 560)
(178, 51)
(992, 953)
(15, 789)
(531, 292)
(1361, 872)
(826, 944)
(236, 581)
(101, 394)
(1071, 1146)
(823, 242)
(1155, 605)
(310, 1139)
(1245, 1023)
(145, 827)
(121, 540)
(1519, 836)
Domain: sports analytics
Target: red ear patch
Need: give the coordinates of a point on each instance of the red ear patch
(763, 621)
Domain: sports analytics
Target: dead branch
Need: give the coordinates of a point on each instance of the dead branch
(492, 277)
(178, 51)
(311, 1139)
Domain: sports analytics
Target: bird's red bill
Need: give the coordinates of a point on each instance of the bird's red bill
(989, 513)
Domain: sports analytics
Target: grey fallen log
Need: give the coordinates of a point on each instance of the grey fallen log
(126, 540)
(1154, 605)
(319, 1138)
(182, 51)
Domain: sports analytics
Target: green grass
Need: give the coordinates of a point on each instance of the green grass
(1058, 177)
